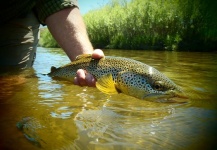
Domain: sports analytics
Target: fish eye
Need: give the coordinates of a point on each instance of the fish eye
(158, 85)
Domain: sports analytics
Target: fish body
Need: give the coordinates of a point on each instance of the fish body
(121, 75)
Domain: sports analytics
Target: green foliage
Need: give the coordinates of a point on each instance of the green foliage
(46, 39)
(155, 24)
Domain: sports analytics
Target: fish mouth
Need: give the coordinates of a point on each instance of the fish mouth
(169, 97)
(178, 98)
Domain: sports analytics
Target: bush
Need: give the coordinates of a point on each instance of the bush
(155, 24)
(46, 39)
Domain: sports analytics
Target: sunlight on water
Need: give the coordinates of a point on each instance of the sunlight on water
(40, 112)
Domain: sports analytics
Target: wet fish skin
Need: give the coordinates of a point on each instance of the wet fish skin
(121, 75)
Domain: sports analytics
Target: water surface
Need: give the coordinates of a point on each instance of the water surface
(37, 111)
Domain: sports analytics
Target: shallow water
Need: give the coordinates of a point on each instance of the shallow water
(37, 111)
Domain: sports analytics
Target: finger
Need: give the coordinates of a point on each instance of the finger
(90, 80)
(81, 77)
(76, 81)
(97, 54)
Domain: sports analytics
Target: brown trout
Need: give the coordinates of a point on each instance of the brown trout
(122, 75)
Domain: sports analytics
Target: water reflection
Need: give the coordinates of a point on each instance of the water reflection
(55, 114)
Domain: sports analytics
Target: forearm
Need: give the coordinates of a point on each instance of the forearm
(69, 30)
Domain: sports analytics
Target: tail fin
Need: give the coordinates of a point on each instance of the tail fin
(53, 69)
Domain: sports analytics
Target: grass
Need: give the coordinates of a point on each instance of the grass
(156, 24)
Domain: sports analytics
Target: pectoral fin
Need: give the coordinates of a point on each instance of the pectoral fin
(106, 84)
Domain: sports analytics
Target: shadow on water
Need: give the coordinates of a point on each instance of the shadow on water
(37, 111)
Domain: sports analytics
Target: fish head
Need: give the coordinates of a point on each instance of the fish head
(160, 88)
(150, 85)
(164, 90)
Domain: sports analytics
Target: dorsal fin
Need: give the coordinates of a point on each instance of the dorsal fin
(83, 56)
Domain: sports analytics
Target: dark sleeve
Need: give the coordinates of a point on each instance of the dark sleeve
(45, 8)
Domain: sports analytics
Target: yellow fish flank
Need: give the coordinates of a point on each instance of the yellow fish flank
(122, 75)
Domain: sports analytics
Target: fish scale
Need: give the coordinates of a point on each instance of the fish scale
(120, 75)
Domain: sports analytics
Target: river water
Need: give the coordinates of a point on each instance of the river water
(38, 112)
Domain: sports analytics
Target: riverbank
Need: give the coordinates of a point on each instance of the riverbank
(142, 24)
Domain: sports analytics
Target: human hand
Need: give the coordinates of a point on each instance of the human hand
(83, 78)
